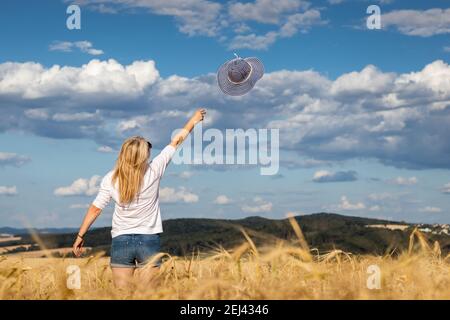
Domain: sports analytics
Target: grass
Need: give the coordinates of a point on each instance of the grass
(283, 271)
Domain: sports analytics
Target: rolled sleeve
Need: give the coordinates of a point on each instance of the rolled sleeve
(104, 194)
(160, 162)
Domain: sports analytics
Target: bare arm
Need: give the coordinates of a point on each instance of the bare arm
(198, 116)
(91, 215)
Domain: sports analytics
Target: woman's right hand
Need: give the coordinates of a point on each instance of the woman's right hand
(199, 115)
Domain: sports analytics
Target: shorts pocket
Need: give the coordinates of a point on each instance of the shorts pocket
(120, 251)
(149, 245)
(150, 239)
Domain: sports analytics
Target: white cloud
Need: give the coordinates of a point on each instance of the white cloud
(424, 23)
(109, 78)
(334, 2)
(265, 11)
(446, 188)
(253, 41)
(301, 21)
(13, 159)
(134, 123)
(381, 196)
(194, 17)
(295, 22)
(83, 46)
(79, 116)
(172, 195)
(242, 28)
(79, 206)
(80, 187)
(368, 80)
(222, 200)
(213, 19)
(366, 114)
(447, 48)
(431, 209)
(340, 176)
(8, 191)
(105, 149)
(186, 174)
(259, 205)
(36, 114)
(347, 205)
(402, 181)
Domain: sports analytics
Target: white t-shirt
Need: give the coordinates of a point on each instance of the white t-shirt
(142, 215)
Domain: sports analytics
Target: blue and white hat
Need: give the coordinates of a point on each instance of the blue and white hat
(238, 76)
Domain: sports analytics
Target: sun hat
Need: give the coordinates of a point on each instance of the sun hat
(238, 76)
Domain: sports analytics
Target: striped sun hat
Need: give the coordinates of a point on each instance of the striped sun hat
(238, 76)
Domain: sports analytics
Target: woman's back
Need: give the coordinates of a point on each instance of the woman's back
(142, 215)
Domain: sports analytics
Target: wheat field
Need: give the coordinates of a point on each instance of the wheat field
(284, 271)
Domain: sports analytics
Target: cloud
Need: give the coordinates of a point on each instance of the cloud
(430, 209)
(347, 205)
(340, 176)
(334, 2)
(83, 46)
(13, 159)
(253, 41)
(447, 49)
(265, 11)
(105, 149)
(259, 205)
(183, 174)
(295, 22)
(301, 21)
(402, 181)
(36, 114)
(79, 206)
(8, 191)
(33, 81)
(368, 80)
(80, 187)
(375, 208)
(423, 23)
(222, 200)
(172, 195)
(446, 188)
(79, 116)
(401, 120)
(223, 21)
(381, 196)
(186, 174)
(193, 17)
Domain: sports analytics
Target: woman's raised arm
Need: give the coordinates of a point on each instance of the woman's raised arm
(198, 116)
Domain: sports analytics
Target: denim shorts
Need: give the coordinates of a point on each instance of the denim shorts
(134, 250)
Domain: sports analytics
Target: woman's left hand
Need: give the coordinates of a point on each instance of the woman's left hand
(78, 247)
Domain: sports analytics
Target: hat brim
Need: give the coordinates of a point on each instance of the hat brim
(239, 89)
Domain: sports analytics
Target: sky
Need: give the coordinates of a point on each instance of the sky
(363, 114)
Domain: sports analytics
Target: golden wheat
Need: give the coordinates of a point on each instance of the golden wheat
(283, 271)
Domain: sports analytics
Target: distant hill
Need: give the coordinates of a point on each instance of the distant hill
(21, 231)
(324, 231)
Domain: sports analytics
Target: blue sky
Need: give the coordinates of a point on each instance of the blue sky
(363, 114)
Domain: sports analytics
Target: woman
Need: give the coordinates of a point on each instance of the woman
(134, 187)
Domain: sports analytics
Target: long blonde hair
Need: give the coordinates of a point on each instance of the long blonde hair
(131, 167)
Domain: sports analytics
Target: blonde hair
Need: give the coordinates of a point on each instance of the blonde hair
(131, 167)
